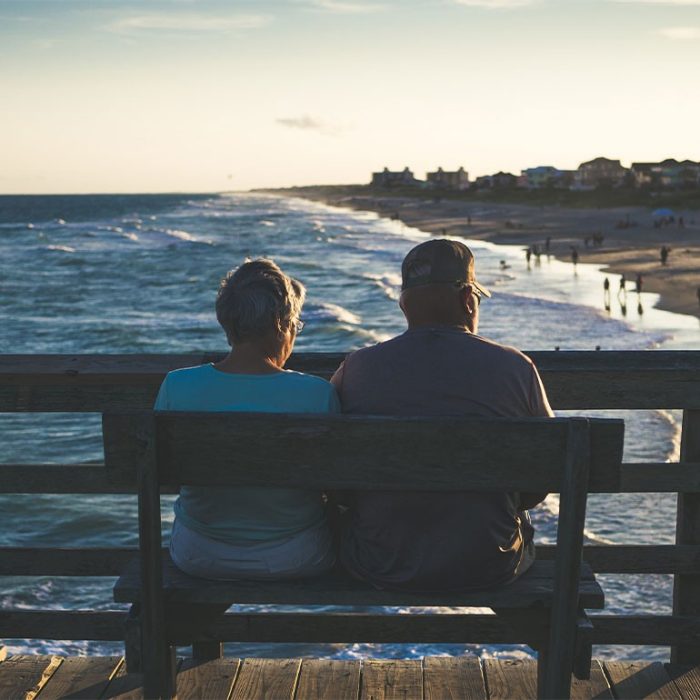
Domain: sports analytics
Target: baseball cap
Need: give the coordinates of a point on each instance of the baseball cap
(439, 261)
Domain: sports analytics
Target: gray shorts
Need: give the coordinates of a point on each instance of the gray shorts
(307, 553)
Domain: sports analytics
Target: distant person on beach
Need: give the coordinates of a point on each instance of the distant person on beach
(606, 294)
(574, 256)
(663, 254)
(234, 533)
(638, 284)
(439, 366)
(697, 292)
(528, 255)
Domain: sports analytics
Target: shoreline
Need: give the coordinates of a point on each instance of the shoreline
(632, 250)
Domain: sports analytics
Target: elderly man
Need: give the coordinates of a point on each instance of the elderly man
(439, 366)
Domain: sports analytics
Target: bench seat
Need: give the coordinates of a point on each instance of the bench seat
(533, 589)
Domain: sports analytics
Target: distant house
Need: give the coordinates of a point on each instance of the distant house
(600, 172)
(645, 174)
(498, 181)
(394, 178)
(545, 176)
(678, 175)
(451, 180)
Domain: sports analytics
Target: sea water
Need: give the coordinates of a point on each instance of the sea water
(139, 274)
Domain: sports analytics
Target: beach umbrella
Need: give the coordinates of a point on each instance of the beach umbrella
(663, 212)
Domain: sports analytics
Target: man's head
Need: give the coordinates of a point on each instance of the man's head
(439, 286)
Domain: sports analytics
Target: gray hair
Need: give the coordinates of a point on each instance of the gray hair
(257, 298)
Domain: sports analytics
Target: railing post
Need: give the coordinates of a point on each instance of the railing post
(686, 587)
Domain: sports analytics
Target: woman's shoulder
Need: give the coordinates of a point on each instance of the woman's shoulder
(184, 375)
(310, 381)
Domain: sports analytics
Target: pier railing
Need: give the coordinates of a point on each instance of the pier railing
(574, 381)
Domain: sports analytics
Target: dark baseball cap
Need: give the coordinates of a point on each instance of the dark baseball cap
(439, 261)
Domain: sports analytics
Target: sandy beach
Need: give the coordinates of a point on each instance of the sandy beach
(631, 244)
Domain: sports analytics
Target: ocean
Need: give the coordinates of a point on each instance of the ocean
(139, 274)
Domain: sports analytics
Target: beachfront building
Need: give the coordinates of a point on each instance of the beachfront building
(601, 172)
(669, 174)
(448, 179)
(499, 181)
(394, 178)
(644, 174)
(542, 176)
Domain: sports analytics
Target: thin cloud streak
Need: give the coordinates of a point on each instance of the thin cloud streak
(188, 22)
(681, 33)
(308, 123)
(345, 8)
(678, 3)
(496, 4)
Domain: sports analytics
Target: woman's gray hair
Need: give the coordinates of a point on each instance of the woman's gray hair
(257, 298)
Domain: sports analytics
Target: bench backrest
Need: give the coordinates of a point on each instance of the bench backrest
(359, 452)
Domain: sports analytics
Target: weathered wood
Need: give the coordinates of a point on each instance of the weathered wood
(508, 679)
(23, 677)
(344, 451)
(565, 604)
(207, 651)
(453, 678)
(660, 477)
(392, 680)
(158, 655)
(125, 685)
(61, 624)
(64, 478)
(266, 679)
(206, 680)
(535, 587)
(574, 380)
(687, 680)
(111, 561)
(640, 679)
(81, 677)
(328, 679)
(686, 587)
(596, 687)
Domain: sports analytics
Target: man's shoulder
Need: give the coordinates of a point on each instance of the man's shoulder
(507, 353)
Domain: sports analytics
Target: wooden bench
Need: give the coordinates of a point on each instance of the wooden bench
(364, 452)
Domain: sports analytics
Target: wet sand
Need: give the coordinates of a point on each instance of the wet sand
(631, 243)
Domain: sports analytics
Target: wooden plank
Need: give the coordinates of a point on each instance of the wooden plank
(111, 561)
(511, 678)
(343, 451)
(64, 478)
(62, 624)
(81, 677)
(338, 588)
(453, 678)
(574, 380)
(23, 677)
(328, 679)
(266, 679)
(197, 680)
(392, 680)
(126, 686)
(597, 687)
(687, 680)
(640, 679)
(660, 477)
(686, 587)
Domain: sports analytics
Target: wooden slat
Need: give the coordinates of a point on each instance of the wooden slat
(61, 624)
(687, 680)
(197, 680)
(81, 677)
(392, 680)
(23, 677)
(266, 679)
(64, 478)
(338, 588)
(574, 380)
(507, 679)
(111, 561)
(660, 477)
(360, 451)
(328, 679)
(453, 678)
(640, 679)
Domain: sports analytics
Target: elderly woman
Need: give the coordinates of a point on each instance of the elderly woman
(251, 533)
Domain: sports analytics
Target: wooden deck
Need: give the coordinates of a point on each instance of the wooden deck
(432, 678)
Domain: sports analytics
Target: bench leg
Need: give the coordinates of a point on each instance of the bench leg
(542, 661)
(207, 651)
(159, 675)
(132, 640)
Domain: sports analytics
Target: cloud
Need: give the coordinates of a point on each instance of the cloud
(679, 3)
(681, 33)
(188, 22)
(495, 4)
(345, 8)
(307, 123)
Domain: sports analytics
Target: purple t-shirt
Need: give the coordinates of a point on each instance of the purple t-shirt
(432, 541)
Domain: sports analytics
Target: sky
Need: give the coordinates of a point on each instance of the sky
(205, 96)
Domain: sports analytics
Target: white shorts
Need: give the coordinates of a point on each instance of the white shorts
(308, 553)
